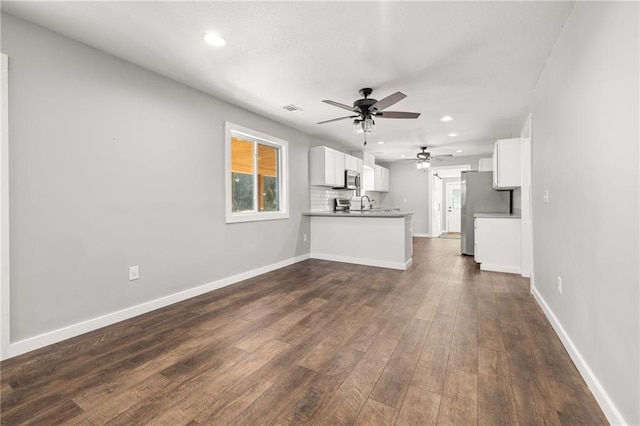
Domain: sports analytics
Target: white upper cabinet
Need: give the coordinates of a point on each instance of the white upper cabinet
(368, 178)
(506, 164)
(381, 179)
(326, 166)
(351, 163)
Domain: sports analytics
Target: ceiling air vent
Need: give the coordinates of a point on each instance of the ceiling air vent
(291, 108)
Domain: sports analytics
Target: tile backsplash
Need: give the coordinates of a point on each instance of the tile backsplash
(321, 197)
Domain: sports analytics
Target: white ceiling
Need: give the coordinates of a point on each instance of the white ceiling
(475, 61)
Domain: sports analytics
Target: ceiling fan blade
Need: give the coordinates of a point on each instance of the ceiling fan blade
(337, 119)
(388, 101)
(444, 155)
(397, 114)
(339, 105)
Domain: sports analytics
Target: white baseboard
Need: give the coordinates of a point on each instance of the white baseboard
(500, 268)
(360, 261)
(606, 404)
(421, 235)
(51, 337)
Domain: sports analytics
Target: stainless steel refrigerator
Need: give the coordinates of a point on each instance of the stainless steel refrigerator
(478, 196)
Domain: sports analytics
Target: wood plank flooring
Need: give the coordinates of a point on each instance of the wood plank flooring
(318, 343)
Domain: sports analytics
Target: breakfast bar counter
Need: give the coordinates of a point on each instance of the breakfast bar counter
(371, 237)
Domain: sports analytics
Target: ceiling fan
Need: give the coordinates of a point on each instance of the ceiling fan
(364, 110)
(425, 157)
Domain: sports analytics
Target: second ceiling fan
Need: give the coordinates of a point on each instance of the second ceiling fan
(366, 109)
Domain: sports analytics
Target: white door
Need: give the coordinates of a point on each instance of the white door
(454, 205)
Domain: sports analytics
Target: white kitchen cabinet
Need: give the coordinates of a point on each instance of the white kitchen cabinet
(351, 163)
(506, 164)
(381, 179)
(497, 244)
(326, 166)
(368, 178)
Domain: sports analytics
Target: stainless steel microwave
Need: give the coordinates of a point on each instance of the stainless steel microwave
(351, 180)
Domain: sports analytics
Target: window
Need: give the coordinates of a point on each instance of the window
(256, 175)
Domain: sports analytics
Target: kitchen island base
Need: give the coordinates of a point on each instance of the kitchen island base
(373, 241)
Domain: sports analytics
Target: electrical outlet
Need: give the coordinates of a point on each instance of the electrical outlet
(559, 284)
(304, 237)
(545, 196)
(134, 273)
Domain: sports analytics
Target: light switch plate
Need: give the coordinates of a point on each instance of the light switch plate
(134, 273)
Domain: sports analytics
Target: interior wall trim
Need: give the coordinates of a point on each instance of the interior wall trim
(500, 268)
(420, 235)
(55, 336)
(604, 401)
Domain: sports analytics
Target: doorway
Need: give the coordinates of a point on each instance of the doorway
(454, 206)
(439, 177)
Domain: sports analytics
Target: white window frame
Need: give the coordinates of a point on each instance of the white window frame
(283, 176)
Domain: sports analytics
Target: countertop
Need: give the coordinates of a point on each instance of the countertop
(359, 213)
(497, 215)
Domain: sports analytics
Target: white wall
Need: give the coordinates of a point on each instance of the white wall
(585, 152)
(407, 182)
(113, 166)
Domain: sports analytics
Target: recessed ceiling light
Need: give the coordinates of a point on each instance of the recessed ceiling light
(214, 39)
(459, 150)
(446, 118)
(380, 143)
(402, 156)
(453, 135)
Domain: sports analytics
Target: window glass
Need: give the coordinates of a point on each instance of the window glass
(456, 199)
(242, 171)
(268, 197)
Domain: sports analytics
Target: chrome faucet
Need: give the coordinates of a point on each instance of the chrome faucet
(362, 202)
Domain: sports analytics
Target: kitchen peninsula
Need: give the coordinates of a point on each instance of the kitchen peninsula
(374, 238)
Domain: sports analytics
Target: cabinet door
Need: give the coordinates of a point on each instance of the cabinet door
(350, 163)
(506, 157)
(377, 178)
(326, 167)
(338, 171)
(385, 180)
(330, 159)
(368, 178)
(381, 179)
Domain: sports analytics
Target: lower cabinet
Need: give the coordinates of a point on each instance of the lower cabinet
(497, 244)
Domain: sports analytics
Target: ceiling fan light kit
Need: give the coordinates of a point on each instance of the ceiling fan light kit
(364, 126)
(423, 164)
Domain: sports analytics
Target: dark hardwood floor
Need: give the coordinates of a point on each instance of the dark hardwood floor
(318, 343)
